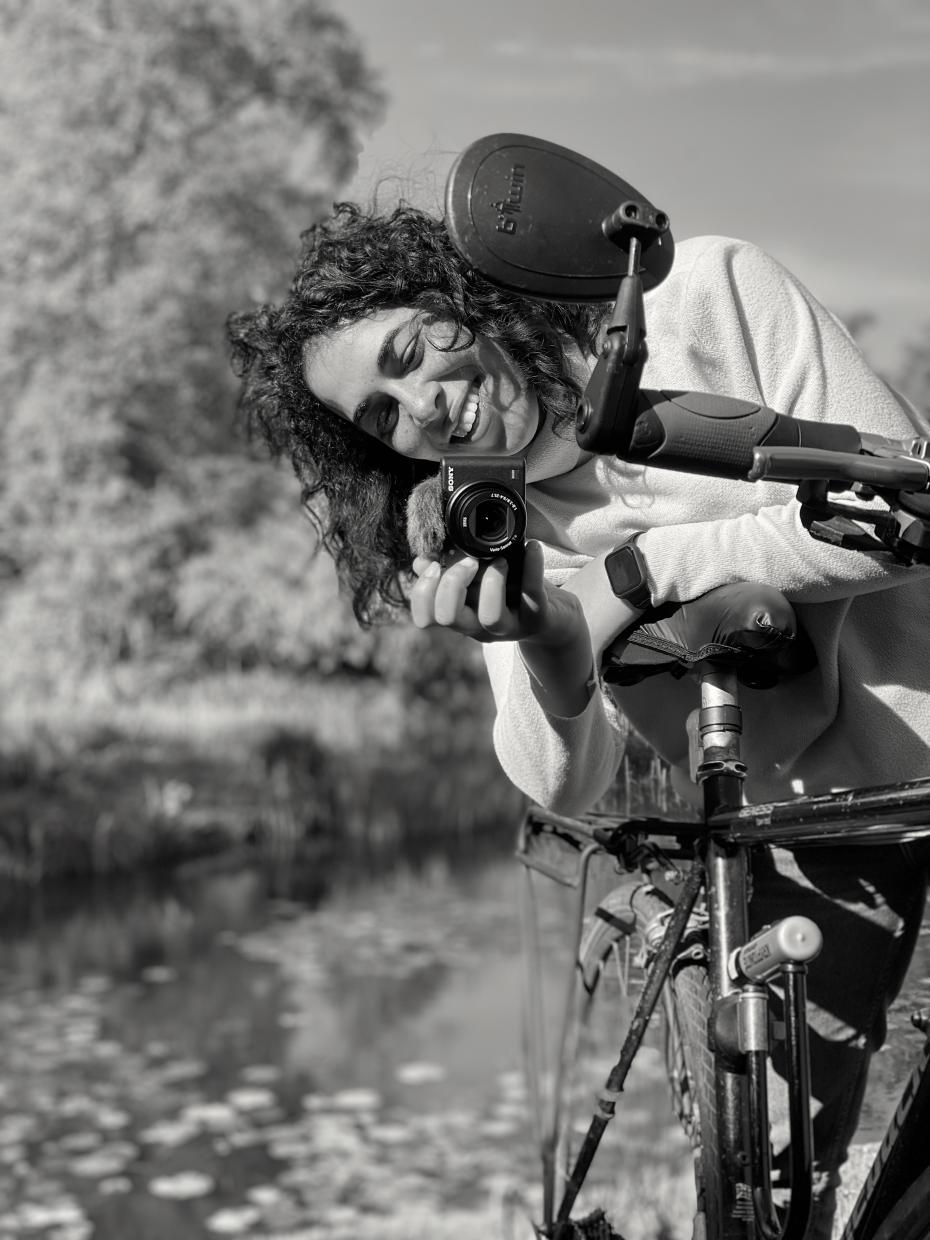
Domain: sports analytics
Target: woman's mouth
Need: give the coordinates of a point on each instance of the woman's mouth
(469, 418)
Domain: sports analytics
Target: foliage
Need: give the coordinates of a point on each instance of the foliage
(159, 162)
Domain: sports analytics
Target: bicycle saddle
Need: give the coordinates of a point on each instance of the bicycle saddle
(749, 628)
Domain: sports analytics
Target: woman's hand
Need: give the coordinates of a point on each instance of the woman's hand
(549, 624)
(546, 615)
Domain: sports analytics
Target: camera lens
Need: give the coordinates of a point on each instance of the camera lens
(485, 519)
(491, 521)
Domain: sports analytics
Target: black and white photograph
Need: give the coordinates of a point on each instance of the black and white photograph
(465, 620)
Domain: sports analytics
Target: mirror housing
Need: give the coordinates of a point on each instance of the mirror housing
(527, 214)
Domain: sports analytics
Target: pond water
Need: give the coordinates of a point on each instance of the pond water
(221, 1054)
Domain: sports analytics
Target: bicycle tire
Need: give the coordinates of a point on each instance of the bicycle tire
(910, 1218)
(692, 1005)
(686, 1005)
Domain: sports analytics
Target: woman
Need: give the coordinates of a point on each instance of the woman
(390, 353)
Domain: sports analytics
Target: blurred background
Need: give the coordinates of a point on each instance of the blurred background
(209, 777)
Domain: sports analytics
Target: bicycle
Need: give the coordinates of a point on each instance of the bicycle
(709, 974)
(511, 214)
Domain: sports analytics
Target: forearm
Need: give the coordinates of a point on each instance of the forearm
(563, 762)
(754, 332)
(561, 675)
(771, 545)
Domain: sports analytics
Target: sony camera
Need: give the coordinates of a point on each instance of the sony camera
(484, 511)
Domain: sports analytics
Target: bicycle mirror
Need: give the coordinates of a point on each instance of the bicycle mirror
(527, 214)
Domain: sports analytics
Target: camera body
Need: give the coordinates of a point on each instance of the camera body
(484, 512)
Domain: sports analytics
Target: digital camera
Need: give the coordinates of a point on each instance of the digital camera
(484, 511)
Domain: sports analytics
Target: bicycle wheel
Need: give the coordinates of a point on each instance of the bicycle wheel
(624, 929)
(689, 1060)
(691, 1008)
(910, 1219)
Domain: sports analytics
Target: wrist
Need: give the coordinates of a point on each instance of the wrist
(562, 672)
(628, 576)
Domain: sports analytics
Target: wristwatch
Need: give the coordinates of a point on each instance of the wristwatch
(626, 572)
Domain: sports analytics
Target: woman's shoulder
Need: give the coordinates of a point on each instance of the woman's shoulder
(722, 280)
(708, 252)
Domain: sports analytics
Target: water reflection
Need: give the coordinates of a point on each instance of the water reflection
(337, 1056)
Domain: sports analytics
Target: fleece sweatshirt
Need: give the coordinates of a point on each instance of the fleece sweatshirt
(731, 320)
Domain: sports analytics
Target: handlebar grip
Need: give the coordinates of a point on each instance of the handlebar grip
(697, 432)
(792, 940)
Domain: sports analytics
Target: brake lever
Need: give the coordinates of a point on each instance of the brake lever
(901, 529)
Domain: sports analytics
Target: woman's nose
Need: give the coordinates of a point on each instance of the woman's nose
(425, 403)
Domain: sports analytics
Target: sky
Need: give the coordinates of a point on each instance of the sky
(800, 125)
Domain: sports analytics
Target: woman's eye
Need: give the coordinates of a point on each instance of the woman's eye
(410, 357)
(386, 420)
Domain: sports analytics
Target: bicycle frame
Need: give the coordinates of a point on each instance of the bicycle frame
(721, 844)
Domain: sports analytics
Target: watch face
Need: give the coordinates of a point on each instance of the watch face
(621, 571)
(625, 572)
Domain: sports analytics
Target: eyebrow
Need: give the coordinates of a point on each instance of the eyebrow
(385, 353)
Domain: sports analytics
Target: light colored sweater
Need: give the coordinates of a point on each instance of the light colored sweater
(729, 319)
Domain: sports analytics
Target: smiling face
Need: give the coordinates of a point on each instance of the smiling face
(395, 376)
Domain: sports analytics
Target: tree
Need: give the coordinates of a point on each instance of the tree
(159, 160)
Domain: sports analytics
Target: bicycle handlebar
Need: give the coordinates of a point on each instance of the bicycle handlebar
(697, 432)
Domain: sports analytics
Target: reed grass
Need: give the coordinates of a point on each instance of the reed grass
(96, 785)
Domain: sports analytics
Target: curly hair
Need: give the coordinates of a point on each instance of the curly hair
(354, 264)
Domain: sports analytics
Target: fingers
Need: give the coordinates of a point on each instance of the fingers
(472, 597)
(423, 594)
(438, 597)
(492, 599)
(449, 597)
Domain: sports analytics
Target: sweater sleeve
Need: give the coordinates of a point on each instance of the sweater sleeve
(565, 764)
(751, 330)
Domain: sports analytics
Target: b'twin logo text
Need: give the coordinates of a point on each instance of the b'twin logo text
(508, 207)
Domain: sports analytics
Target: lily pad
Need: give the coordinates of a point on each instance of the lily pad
(80, 1142)
(158, 974)
(113, 1185)
(420, 1073)
(106, 1161)
(260, 1074)
(35, 1214)
(184, 1186)
(233, 1221)
(391, 1134)
(181, 1070)
(251, 1099)
(266, 1195)
(169, 1132)
(213, 1116)
(15, 1128)
(356, 1100)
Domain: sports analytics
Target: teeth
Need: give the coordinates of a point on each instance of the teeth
(469, 415)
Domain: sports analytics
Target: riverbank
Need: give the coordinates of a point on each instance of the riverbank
(259, 761)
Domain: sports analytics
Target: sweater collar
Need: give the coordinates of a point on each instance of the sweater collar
(553, 453)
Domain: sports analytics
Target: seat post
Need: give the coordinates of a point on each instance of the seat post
(720, 769)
